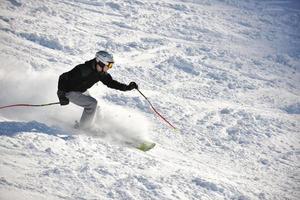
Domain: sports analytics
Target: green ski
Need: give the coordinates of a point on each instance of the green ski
(146, 146)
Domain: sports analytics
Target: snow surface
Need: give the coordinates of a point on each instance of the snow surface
(226, 73)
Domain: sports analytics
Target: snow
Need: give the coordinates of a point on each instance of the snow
(224, 72)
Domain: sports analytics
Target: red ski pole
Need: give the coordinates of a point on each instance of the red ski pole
(157, 111)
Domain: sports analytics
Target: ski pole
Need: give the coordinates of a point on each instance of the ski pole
(28, 105)
(156, 110)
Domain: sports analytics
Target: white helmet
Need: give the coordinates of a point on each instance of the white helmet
(104, 57)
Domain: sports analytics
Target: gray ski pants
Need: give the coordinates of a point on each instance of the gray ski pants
(88, 103)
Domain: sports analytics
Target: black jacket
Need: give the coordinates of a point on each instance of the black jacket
(84, 76)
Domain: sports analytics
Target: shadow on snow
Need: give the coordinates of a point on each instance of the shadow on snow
(13, 128)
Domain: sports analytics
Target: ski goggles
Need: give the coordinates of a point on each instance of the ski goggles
(110, 65)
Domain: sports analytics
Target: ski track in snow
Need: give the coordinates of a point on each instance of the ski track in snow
(226, 73)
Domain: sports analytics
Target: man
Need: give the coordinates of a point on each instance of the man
(73, 84)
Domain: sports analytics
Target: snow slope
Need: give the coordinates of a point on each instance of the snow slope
(225, 72)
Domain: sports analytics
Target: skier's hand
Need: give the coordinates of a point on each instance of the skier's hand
(63, 100)
(132, 85)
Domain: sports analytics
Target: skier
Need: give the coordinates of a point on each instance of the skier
(73, 85)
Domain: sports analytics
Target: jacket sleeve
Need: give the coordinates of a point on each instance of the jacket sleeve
(111, 83)
(62, 81)
(68, 79)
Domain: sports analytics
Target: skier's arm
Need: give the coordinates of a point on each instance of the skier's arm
(69, 78)
(111, 83)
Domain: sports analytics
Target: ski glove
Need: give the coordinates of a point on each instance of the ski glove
(63, 100)
(132, 85)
